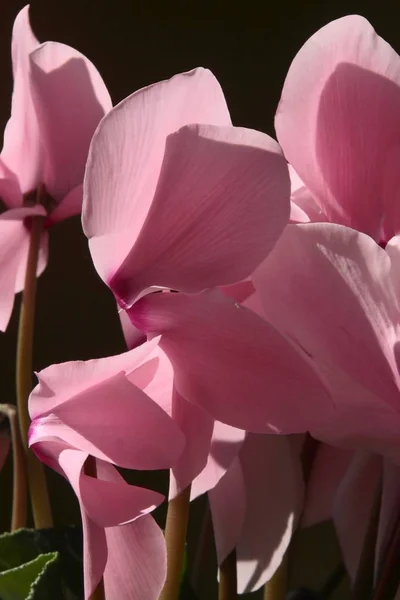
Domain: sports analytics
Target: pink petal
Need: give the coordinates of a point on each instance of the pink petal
(14, 244)
(221, 203)
(10, 191)
(329, 467)
(109, 501)
(58, 383)
(353, 506)
(222, 353)
(226, 442)
(22, 150)
(197, 426)
(95, 552)
(345, 277)
(339, 118)
(115, 421)
(228, 508)
(137, 561)
(69, 206)
(136, 565)
(133, 337)
(274, 487)
(130, 144)
(70, 100)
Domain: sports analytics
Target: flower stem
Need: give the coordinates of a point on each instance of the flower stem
(90, 469)
(36, 476)
(227, 589)
(18, 516)
(275, 588)
(175, 537)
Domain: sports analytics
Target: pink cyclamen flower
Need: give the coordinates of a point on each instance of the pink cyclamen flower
(57, 102)
(108, 411)
(255, 507)
(338, 123)
(175, 196)
(342, 308)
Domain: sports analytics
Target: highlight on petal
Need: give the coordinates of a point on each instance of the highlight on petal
(233, 364)
(22, 150)
(226, 442)
(339, 119)
(70, 100)
(352, 516)
(127, 151)
(345, 277)
(274, 489)
(221, 202)
(115, 421)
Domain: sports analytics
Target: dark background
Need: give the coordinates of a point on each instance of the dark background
(249, 47)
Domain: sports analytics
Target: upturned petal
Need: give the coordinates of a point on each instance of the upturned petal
(338, 120)
(233, 364)
(70, 100)
(346, 278)
(221, 202)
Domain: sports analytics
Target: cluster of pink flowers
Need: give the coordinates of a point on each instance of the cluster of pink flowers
(259, 290)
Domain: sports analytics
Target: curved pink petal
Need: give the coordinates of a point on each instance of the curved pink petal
(22, 149)
(69, 206)
(353, 506)
(223, 353)
(133, 337)
(61, 382)
(339, 119)
(70, 100)
(345, 277)
(137, 561)
(130, 145)
(10, 191)
(226, 442)
(221, 202)
(115, 421)
(71, 462)
(43, 259)
(274, 489)
(109, 501)
(14, 245)
(328, 469)
(197, 427)
(228, 508)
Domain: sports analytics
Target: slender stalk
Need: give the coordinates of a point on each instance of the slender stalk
(389, 575)
(227, 589)
(175, 537)
(90, 469)
(364, 580)
(36, 476)
(275, 588)
(18, 515)
(204, 545)
(333, 581)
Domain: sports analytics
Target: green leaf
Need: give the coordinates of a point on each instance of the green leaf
(22, 582)
(60, 579)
